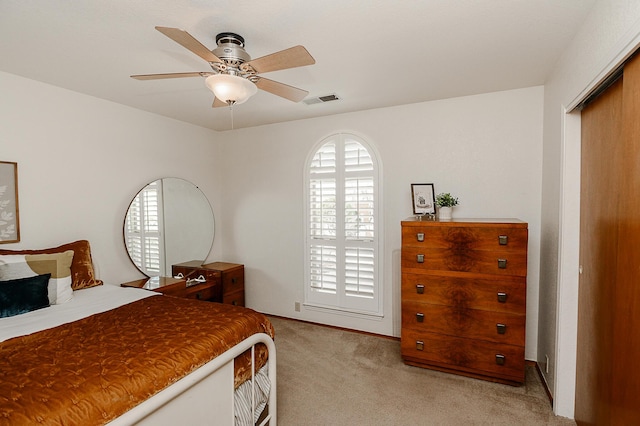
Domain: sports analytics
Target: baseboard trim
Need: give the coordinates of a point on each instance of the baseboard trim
(337, 328)
(542, 380)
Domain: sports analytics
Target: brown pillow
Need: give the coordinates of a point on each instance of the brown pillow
(82, 275)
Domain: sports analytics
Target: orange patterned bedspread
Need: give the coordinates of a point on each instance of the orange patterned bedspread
(93, 370)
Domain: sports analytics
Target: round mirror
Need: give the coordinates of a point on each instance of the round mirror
(169, 221)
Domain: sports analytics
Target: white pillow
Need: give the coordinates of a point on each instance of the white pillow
(13, 266)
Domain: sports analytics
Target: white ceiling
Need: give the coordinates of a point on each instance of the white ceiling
(371, 53)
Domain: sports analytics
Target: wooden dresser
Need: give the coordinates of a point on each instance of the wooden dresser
(229, 275)
(464, 297)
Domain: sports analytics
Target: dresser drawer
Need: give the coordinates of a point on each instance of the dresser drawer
(495, 327)
(500, 294)
(174, 290)
(233, 281)
(473, 356)
(476, 261)
(236, 298)
(209, 291)
(507, 239)
(210, 276)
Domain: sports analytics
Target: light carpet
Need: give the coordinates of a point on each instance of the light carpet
(328, 376)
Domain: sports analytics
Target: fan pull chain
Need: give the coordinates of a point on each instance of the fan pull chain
(231, 109)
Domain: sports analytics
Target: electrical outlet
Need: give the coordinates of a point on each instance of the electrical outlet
(546, 364)
(297, 307)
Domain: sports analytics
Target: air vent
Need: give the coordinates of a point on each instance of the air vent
(321, 99)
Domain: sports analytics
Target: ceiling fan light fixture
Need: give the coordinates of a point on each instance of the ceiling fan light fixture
(231, 89)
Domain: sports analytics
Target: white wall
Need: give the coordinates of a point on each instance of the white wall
(610, 32)
(81, 160)
(485, 149)
(79, 167)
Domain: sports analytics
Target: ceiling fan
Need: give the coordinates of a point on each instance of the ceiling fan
(235, 78)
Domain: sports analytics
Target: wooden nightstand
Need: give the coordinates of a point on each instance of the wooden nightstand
(209, 290)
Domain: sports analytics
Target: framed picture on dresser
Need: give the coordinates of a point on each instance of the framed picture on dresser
(424, 199)
(9, 223)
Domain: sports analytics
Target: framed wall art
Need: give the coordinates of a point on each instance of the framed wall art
(424, 199)
(9, 212)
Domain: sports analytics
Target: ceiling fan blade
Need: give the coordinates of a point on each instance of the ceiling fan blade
(218, 103)
(296, 56)
(186, 40)
(171, 75)
(280, 89)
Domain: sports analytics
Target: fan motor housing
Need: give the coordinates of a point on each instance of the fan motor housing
(231, 48)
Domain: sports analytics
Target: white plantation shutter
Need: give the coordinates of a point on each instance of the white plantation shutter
(359, 272)
(143, 227)
(359, 209)
(341, 216)
(323, 264)
(322, 208)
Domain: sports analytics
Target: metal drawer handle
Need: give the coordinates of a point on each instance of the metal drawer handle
(501, 328)
(420, 288)
(502, 297)
(233, 280)
(420, 317)
(420, 258)
(419, 345)
(420, 237)
(500, 359)
(503, 240)
(502, 263)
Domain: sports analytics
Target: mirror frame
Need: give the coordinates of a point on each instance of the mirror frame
(176, 226)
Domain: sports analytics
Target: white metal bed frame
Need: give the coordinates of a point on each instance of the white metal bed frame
(205, 396)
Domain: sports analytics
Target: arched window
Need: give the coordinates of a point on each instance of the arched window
(342, 224)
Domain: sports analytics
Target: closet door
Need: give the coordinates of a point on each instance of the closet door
(607, 376)
(601, 134)
(625, 388)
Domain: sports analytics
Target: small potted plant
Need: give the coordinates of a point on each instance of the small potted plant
(446, 202)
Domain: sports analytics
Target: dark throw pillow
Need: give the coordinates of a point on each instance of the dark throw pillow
(24, 295)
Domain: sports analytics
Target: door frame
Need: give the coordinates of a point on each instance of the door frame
(569, 229)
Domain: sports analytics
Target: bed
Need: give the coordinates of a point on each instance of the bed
(122, 356)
